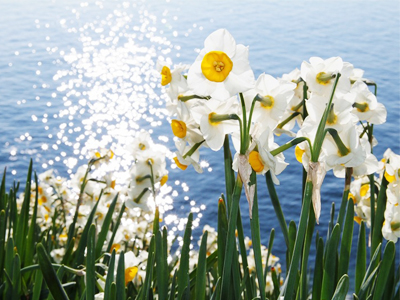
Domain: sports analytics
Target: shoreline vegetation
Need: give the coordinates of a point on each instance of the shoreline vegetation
(88, 238)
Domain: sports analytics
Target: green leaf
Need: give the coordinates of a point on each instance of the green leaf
(347, 239)
(162, 266)
(292, 240)
(37, 288)
(361, 260)
(31, 239)
(328, 282)
(111, 241)
(173, 286)
(217, 288)
(90, 261)
(120, 284)
(105, 227)
(318, 270)
(156, 223)
(277, 207)
(231, 239)
(341, 288)
(3, 225)
(222, 232)
(293, 269)
(183, 271)
(23, 218)
(110, 277)
(16, 278)
(49, 274)
(200, 287)
(149, 270)
(376, 238)
(80, 251)
(270, 244)
(387, 261)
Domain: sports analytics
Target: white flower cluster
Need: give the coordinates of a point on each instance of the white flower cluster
(59, 198)
(209, 102)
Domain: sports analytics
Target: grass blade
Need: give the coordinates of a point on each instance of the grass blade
(37, 288)
(318, 270)
(16, 277)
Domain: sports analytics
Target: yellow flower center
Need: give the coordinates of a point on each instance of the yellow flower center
(163, 180)
(142, 146)
(389, 178)
(395, 226)
(165, 76)
(130, 273)
(211, 119)
(364, 189)
(299, 154)
(180, 166)
(351, 197)
(268, 102)
(216, 66)
(362, 107)
(179, 128)
(358, 220)
(256, 161)
(112, 185)
(42, 200)
(323, 78)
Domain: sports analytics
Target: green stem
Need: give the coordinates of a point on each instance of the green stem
(288, 119)
(193, 149)
(320, 135)
(245, 129)
(290, 144)
(187, 98)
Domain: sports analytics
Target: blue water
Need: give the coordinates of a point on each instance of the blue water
(55, 57)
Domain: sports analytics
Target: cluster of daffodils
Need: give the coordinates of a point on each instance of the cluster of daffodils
(326, 106)
(62, 202)
(360, 193)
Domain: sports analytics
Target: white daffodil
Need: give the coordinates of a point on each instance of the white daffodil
(141, 142)
(185, 127)
(215, 122)
(366, 106)
(360, 194)
(352, 154)
(274, 98)
(339, 117)
(177, 82)
(261, 160)
(319, 75)
(182, 160)
(222, 68)
(391, 225)
(392, 166)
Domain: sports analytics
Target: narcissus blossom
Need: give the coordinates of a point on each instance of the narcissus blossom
(222, 68)
(366, 106)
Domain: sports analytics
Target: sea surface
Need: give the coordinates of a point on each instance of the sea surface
(76, 76)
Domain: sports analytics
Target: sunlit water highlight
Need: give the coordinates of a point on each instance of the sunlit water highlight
(77, 76)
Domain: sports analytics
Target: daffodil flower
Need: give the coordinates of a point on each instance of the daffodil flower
(273, 98)
(365, 105)
(222, 68)
(391, 225)
(215, 121)
(319, 75)
(182, 160)
(177, 82)
(339, 116)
